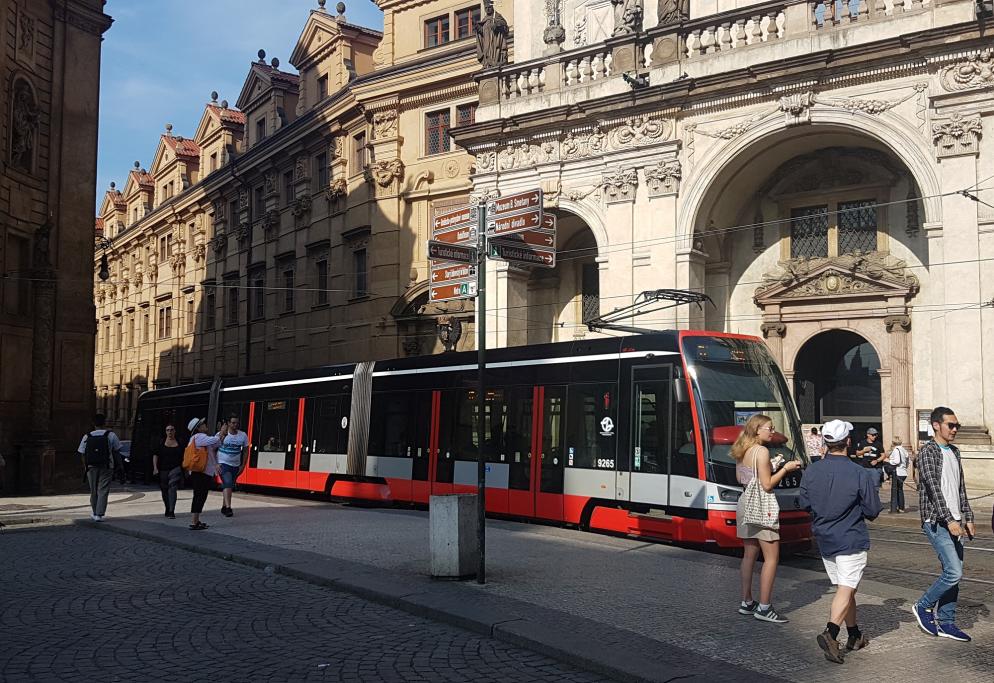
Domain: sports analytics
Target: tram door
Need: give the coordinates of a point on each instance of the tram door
(549, 466)
(521, 415)
(651, 434)
(274, 442)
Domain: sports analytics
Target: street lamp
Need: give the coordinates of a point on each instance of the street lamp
(105, 244)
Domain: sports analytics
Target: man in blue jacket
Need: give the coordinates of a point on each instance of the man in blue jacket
(841, 496)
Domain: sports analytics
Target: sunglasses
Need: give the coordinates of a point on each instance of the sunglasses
(952, 425)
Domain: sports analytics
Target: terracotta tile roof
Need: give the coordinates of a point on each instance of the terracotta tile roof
(226, 115)
(277, 75)
(116, 197)
(143, 178)
(99, 224)
(183, 147)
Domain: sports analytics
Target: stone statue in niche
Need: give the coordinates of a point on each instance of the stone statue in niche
(491, 37)
(627, 16)
(672, 12)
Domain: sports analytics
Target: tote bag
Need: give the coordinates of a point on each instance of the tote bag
(758, 506)
(194, 459)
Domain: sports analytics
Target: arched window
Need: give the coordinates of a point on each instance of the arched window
(24, 118)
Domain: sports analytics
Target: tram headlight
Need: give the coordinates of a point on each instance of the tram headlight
(729, 495)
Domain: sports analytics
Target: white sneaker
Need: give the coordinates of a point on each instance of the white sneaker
(98, 518)
(94, 518)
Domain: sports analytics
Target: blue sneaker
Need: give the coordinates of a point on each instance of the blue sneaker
(953, 632)
(925, 619)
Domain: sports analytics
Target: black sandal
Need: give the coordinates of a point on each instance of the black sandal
(199, 526)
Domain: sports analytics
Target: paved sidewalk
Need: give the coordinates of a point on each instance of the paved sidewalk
(625, 608)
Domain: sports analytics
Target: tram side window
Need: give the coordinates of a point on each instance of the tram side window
(591, 426)
(392, 424)
(463, 435)
(651, 404)
(683, 460)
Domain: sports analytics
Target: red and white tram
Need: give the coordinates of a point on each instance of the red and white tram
(629, 435)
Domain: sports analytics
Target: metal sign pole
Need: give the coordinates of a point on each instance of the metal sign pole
(481, 395)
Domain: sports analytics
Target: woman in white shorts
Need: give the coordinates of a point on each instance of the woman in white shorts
(753, 460)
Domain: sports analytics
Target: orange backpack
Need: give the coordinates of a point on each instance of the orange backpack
(194, 459)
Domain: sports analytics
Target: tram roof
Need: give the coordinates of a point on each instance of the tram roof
(665, 341)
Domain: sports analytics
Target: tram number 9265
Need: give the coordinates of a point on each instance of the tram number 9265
(604, 464)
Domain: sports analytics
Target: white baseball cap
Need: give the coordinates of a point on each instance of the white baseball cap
(194, 423)
(835, 431)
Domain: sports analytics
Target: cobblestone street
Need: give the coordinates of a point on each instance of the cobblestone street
(83, 605)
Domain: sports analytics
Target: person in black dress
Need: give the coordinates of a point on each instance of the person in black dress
(167, 464)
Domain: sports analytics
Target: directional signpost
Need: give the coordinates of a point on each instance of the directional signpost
(514, 229)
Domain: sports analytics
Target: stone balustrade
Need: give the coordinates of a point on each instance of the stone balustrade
(732, 32)
(833, 13)
(585, 68)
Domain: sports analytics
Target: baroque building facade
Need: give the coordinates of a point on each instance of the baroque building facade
(50, 70)
(822, 170)
(290, 230)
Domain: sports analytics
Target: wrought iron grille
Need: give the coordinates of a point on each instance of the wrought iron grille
(809, 232)
(857, 227)
(591, 306)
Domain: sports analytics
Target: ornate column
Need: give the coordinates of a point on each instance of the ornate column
(898, 328)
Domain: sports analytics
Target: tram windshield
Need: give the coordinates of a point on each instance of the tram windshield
(733, 380)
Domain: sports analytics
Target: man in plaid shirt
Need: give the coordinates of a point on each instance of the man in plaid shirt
(946, 517)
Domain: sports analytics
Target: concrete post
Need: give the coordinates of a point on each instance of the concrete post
(452, 536)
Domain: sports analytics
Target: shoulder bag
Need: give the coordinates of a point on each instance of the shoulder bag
(194, 459)
(758, 506)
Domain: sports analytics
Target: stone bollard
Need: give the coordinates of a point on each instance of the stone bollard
(452, 536)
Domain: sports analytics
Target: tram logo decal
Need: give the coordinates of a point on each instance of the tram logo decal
(607, 427)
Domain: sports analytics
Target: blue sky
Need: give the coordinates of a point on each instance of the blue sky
(162, 58)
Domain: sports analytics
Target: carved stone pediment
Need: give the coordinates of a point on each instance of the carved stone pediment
(875, 275)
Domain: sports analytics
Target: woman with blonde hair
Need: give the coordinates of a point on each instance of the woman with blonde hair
(752, 460)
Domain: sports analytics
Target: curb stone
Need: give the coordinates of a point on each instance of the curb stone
(593, 646)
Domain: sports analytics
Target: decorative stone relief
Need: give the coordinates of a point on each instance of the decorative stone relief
(583, 145)
(868, 106)
(219, 243)
(24, 119)
(338, 188)
(271, 187)
(177, 261)
(25, 38)
(483, 197)
(777, 329)
(243, 202)
(836, 275)
(243, 232)
(384, 172)
(302, 206)
(271, 223)
(486, 162)
(975, 72)
(898, 323)
(300, 169)
(797, 108)
(199, 252)
(663, 178)
(639, 131)
(957, 135)
(338, 146)
(554, 35)
(384, 124)
(620, 186)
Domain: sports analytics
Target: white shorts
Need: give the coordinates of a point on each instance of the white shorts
(846, 570)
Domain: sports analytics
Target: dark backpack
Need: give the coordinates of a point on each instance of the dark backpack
(97, 450)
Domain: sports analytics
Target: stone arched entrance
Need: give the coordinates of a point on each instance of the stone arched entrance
(837, 377)
(536, 305)
(801, 235)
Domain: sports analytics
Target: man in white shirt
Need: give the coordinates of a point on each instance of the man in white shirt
(98, 451)
(231, 461)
